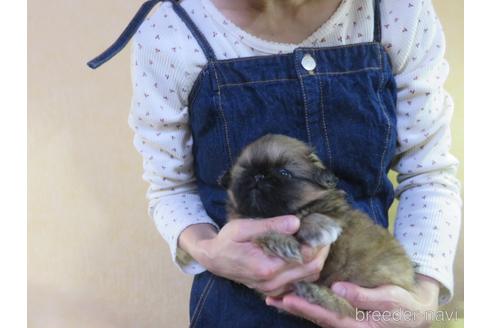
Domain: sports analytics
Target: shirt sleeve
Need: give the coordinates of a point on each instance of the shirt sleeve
(159, 119)
(429, 213)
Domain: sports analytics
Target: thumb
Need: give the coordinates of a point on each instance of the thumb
(383, 298)
(248, 229)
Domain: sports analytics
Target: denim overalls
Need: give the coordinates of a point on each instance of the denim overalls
(341, 100)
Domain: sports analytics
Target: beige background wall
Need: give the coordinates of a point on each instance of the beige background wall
(95, 258)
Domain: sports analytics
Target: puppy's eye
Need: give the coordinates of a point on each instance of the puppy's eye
(284, 172)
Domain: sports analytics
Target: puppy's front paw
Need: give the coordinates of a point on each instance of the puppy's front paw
(323, 296)
(318, 230)
(283, 246)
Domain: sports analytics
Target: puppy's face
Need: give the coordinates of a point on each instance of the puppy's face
(276, 175)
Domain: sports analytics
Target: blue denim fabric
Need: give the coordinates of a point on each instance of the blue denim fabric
(345, 109)
(219, 302)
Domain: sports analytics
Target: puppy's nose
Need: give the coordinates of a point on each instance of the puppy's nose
(259, 177)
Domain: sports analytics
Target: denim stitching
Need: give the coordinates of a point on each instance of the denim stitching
(233, 60)
(305, 103)
(252, 82)
(371, 199)
(372, 68)
(204, 300)
(388, 129)
(201, 301)
(226, 129)
(320, 83)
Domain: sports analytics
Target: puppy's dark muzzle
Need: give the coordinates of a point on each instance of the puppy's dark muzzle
(259, 177)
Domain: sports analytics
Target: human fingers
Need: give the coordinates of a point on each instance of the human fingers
(247, 229)
(308, 253)
(289, 287)
(383, 298)
(283, 281)
(315, 313)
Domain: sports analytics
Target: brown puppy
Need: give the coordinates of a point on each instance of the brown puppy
(278, 175)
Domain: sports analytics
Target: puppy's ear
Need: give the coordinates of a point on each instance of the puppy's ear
(325, 178)
(322, 175)
(315, 160)
(225, 179)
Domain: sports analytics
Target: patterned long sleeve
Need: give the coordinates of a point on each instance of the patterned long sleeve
(159, 119)
(166, 61)
(428, 216)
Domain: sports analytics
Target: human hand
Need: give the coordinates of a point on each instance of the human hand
(233, 254)
(388, 306)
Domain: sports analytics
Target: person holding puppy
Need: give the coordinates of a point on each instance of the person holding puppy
(360, 81)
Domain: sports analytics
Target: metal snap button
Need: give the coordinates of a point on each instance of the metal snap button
(308, 62)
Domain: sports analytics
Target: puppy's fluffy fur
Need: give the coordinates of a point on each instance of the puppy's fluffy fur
(278, 175)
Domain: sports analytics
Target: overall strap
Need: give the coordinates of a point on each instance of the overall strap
(200, 38)
(125, 36)
(377, 21)
(134, 25)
